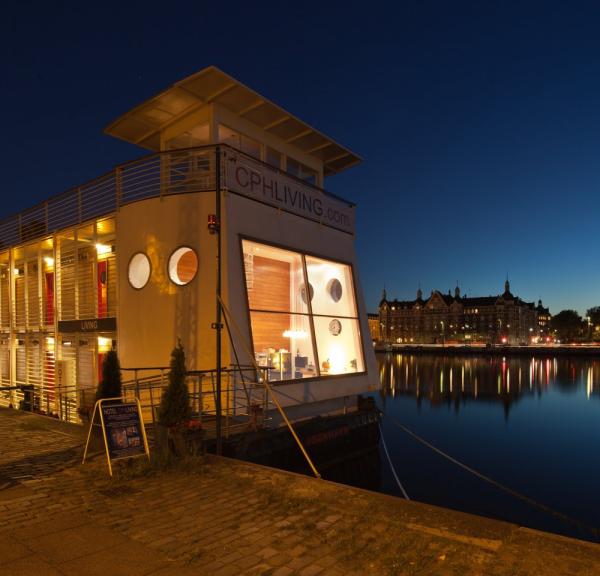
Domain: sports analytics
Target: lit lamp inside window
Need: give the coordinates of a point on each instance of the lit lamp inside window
(298, 334)
(337, 359)
(104, 344)
(103, 250)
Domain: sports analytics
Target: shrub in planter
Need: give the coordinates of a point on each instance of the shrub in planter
(174, 411)
(110, 386)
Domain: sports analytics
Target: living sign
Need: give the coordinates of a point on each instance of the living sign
(91, 325)
(265, 184)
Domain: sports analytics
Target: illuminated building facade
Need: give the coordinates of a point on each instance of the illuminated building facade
(128, 260)
(374, 327)
(543, 320)
(446, 318)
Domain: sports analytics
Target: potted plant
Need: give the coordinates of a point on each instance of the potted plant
(174, 413)
(109, 387)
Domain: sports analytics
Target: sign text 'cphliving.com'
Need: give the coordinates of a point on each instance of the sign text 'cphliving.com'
(284, 192)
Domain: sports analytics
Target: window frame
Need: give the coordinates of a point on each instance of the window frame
(179, 284)
(310, 315)
(149, 272)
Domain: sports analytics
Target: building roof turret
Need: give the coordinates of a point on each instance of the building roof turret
(507, 293)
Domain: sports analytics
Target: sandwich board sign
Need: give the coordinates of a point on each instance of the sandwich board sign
(122, 429)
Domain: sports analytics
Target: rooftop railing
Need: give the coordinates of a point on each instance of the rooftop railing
(160, 174)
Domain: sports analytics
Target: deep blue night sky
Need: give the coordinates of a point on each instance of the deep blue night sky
(479, 122)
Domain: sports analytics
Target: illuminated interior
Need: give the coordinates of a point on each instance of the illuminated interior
(300, 332)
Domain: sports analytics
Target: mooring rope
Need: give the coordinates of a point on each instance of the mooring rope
(391, 465)
(564, 517)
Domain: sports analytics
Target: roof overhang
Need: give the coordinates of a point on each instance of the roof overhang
(143, 124)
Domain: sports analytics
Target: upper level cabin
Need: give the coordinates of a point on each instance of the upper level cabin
(210, 107)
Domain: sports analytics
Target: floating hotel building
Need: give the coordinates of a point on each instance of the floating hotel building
(130, 260)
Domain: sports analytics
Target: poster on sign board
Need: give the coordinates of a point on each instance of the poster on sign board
(122, 429)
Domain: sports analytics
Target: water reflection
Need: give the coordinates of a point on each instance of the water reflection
(455, 380)
(545, 450)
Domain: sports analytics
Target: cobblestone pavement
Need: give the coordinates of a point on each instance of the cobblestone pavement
(224, 518)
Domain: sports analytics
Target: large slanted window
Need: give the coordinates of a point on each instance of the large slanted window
(303, 313)
(335, 316)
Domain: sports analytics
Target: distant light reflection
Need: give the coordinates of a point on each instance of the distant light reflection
(484, 378)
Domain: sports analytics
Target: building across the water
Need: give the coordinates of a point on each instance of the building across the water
(444, 318)
(134, 259)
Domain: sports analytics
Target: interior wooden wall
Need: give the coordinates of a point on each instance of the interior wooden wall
(270, 291)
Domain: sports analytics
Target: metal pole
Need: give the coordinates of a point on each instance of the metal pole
(218, 321)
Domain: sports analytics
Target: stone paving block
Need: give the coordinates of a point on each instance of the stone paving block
(179, 571)
(297, 550)
(311, 570)
(163, 541)
(332, 571)
(50, 526)
(128, 559)
(29, 566)
(74, 543)
(327, 561)
(255, 538)
(266, 553)
(280, 559)
(11, 549)
(229, 570)
(245, 549)
(210, 566)
(229, 538)
(261, 569)
(300, 562)
(290, 542)
(247, 561)
(230, 557)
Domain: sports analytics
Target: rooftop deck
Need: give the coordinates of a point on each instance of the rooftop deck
(168, 173)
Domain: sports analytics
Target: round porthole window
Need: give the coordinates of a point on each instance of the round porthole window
(139, 270)
(334, 287)
(311, 291)
(183, 265)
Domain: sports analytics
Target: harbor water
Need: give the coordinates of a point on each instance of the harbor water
(530, 424)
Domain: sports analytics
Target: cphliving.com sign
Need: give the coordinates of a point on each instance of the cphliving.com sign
(275, 188)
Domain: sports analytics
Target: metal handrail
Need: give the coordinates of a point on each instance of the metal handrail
(240, 409)
(151, 176)
(39, 396)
